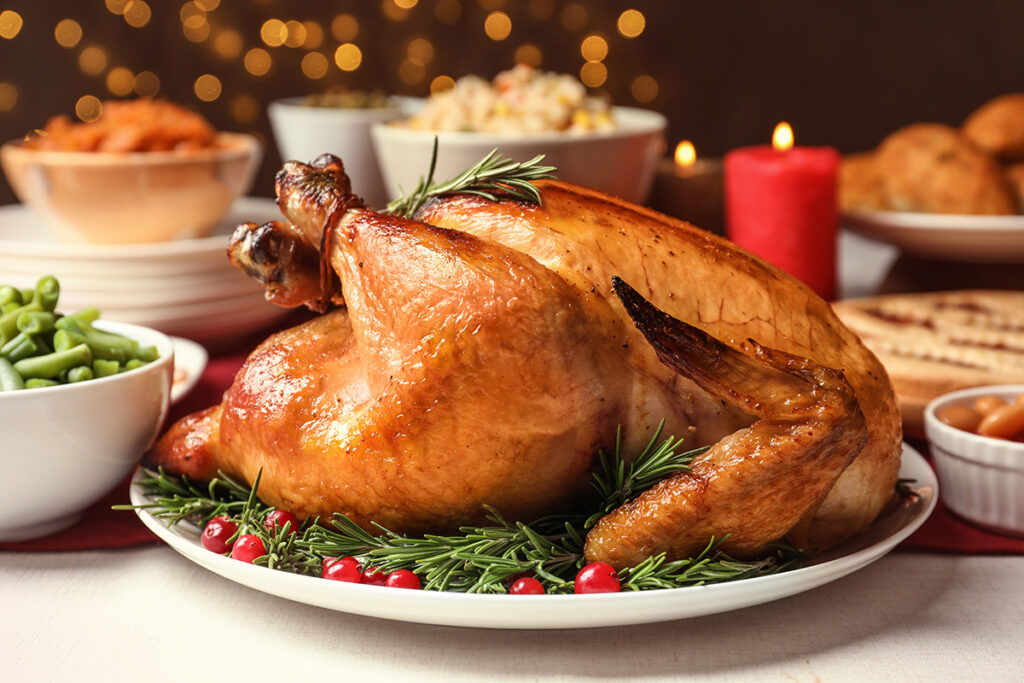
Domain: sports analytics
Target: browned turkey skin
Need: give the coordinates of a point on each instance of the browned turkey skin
(483, 358)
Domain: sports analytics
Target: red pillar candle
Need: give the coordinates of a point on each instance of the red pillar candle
(781, 205)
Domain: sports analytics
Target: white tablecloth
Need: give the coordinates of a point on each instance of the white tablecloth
(147, 614)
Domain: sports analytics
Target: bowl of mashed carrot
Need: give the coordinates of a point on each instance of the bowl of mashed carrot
(144, 171)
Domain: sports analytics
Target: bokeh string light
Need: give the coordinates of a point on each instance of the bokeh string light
(254, 44)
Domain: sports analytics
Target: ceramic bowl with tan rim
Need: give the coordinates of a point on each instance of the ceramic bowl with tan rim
(982, 477)
(133, 197)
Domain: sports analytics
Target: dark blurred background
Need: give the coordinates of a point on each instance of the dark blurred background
(843, 73)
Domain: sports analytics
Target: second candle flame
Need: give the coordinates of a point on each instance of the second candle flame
(782, 138)
(686, 154)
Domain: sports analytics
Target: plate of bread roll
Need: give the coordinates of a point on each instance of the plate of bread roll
(943, 192)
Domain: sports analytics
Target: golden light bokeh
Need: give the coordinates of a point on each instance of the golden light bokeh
(10, 24)
(244, 108)
(686, 153)
(228, 43)
(196, 29)
(88, 108)
(593, 74)
(137, 13)
(410, 72)
(420, 51)
(782, 137)
(273, 32)
(120, 81)
(594, 48)
(314, 65)
(68, 33)
(631, 23)
(528, 53)
(116, 6)
(207, 87)
(189, 11)
(448, 12)
(8, 96)
(147, 84)
(348, 56)
(257, 61)
(345, 28)
(295, 33)
(406, 4)
(93, 60)
(644, 89)
(314, 35)
(393, 11)
(207, 5)
(574, 17)
(497, 26)
(541, 10)
(441, 83)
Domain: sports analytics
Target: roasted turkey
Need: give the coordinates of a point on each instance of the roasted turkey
(481, 353)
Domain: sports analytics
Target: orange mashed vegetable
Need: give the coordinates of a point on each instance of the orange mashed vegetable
(142, 125)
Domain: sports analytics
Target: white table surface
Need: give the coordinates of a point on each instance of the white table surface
(148, 614)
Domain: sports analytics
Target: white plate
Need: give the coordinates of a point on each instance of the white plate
(189, 362)
(567, 611)
(975, 239)
(32, 242)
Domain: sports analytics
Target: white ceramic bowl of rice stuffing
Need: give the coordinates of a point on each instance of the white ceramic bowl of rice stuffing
(620, 161)
(523, 113)
(64, 447)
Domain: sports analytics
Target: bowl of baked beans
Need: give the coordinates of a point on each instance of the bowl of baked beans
(143, 171)
(977, 444)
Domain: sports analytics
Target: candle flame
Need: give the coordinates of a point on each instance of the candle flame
(686, 154)
(782, 138)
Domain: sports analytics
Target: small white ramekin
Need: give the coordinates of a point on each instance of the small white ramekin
(982, 478)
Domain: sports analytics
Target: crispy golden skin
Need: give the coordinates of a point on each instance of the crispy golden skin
(752, 487)
(998, 127)
(932, 168)
(485, 364)
(588, 237)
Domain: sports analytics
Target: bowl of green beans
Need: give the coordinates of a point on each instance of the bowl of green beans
(81, 399)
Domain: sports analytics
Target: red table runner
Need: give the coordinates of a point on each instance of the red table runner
(103, 528)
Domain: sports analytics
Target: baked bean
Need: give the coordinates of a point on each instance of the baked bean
(987, 404)
(960, 417)
(1003, 423)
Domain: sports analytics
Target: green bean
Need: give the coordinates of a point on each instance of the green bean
(147, 353)
(69, 323)
(80, 373)
(65, 339)
(86, 316)
(9, 320)
(134, 363)
(36, 322)
(21, 346)
(10, 306)
(10, 380)
(28, 296)
(9, 294)
(39, 383)
(105, 368)
(47, 292)
(50, 365)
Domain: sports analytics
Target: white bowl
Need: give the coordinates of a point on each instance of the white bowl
(982, 478)
(303, 133)
(620, 162)
(65, 447)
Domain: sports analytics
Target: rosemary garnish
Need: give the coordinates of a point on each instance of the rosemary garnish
(494, 177)
(479, 559)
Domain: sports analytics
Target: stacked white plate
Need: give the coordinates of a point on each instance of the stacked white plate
(185, 287)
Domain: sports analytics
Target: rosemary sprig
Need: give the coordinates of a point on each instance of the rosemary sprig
(494, 177)
(479, 559)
